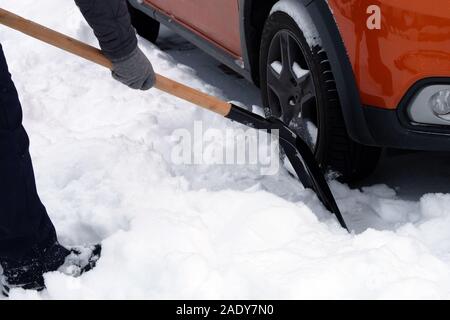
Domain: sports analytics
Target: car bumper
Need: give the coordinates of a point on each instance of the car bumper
(397, 129)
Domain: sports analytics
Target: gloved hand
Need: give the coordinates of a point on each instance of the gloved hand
(134, 70)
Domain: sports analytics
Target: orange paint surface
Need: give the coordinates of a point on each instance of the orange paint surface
(413, 44)
(217, 21)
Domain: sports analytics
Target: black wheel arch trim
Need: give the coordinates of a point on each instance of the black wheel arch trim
(348, 91)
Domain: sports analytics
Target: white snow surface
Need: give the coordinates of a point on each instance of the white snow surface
(299, 71)
(102, 160)
(277, 66)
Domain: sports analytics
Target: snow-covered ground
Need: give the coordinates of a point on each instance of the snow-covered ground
(103, 166)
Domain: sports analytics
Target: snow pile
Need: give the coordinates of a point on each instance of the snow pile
(102, 159)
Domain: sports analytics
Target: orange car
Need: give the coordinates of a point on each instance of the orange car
(350, 76)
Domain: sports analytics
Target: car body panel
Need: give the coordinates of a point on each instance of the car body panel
(413, 44)
(216, 21)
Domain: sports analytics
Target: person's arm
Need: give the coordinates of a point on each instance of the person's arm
(111, 23)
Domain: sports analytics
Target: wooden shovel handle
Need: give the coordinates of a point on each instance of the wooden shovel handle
(85, 51)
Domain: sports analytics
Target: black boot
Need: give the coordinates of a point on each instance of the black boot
(81, 260)
(28, 273)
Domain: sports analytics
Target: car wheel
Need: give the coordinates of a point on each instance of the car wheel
(145, 26)
(298, 87)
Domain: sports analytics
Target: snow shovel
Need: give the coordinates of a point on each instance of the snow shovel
(295, 148)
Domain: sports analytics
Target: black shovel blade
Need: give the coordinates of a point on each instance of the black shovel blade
(298, 153)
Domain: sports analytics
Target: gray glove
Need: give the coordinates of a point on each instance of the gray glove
(134, 70)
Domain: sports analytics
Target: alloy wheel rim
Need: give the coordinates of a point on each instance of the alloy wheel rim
(291, 90)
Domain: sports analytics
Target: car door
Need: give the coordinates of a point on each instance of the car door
(163, 5)
(217, 20)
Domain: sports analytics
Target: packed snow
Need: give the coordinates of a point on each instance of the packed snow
(102, 156)
(277, 66)
(299, 71)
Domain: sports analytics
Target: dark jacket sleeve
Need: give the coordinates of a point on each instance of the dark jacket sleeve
(111, 23)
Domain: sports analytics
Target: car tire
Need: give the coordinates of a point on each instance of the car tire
(145, 26)
(309, 101)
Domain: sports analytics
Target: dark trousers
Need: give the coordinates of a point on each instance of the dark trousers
(24, 223)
